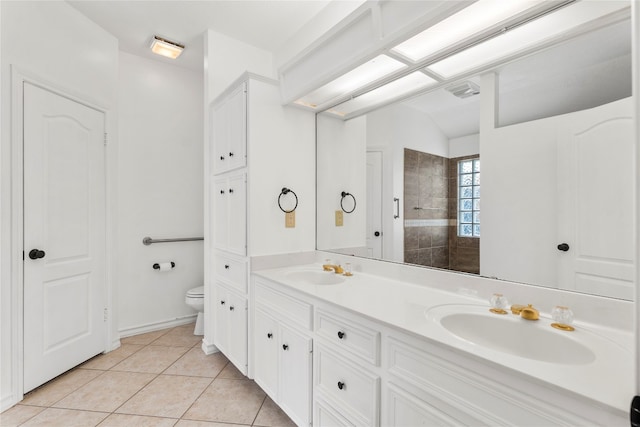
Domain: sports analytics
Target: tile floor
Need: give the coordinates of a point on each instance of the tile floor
(156, 379)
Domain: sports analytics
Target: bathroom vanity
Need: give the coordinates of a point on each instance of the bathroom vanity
(384, 349)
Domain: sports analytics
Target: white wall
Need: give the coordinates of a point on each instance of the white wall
(227, 59)
(54, 42)
(464, 146)
(160, 189)
(281, 153)
(341, 162)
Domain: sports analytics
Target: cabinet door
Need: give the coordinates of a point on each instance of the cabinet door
(220, 208)
(229, 133)
(237, 128)
(265, 349)
(237, 331)
(237, 214)
(295, 375)
(220, 138)
(221, 319)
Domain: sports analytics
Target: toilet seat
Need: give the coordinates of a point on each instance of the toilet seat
(196, 292)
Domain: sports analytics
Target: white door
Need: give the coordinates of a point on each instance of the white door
(597, 202)
(374, 204)
(64, 235)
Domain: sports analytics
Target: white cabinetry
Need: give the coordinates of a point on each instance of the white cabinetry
(346, 360)
(229, 131)
(282, 349)
(257, 147)
(231, 325)
(230, 215)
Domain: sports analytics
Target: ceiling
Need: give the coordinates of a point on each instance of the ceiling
(552, 82)
(264, 24)
(581, 73)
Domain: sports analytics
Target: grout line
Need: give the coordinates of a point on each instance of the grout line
(259, 409)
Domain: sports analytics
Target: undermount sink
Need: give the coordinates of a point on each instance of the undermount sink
(510, 334)
(316, 277)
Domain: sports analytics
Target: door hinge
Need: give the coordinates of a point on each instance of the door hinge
(106, 315)
(23, 255)
(105, 138)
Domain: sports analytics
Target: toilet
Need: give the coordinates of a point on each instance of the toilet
(195, 299)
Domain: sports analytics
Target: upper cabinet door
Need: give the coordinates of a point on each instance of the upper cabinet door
(229, 133)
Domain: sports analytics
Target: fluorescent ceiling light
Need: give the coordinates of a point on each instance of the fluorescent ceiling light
(471, 20)
(396, 89)
(370, 71)
(526, 36)
(166, 48)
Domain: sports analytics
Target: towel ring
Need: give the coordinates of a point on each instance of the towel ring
(286, 191)
(345, 194)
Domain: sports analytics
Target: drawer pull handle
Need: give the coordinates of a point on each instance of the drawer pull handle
(221, 191)
(269, 335)
(221, 302)
(226, 266)
(231, 308)
(341, 385)
(231, 190)
(285, 347)
(230, 154)
(341, 335)
(221, 157)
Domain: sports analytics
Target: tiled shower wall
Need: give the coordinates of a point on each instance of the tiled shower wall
(430, 236)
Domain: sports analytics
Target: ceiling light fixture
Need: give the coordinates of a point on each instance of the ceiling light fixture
(525, 36)
(166, 47)
(378, 67)
(471, 20)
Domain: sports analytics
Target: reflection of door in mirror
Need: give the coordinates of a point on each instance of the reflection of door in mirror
(374, 204)
(431, 193)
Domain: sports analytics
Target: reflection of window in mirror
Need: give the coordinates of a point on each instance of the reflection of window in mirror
(469, 198)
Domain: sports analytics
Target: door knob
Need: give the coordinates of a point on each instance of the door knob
(377, 233)
(36, 254)
(563, 247)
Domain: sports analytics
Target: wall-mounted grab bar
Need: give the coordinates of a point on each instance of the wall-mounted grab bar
(148, 240)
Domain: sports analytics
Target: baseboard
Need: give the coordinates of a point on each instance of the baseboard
(209, 348)
(7, 402)
(156, 326)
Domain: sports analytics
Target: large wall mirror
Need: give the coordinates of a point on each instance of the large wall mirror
(542, 195)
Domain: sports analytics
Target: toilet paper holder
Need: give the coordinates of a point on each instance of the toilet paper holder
(156, 266)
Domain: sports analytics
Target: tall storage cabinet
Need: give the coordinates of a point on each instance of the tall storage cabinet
(256, 147)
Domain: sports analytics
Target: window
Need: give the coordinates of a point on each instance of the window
(469, 198)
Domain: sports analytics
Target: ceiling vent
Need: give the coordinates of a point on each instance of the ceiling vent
(464, 89)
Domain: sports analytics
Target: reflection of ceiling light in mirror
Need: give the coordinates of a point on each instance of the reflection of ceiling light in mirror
(464, 89)
(166, 48)
(525, 36)
(366, 73)
(469, 21)
(396, 89)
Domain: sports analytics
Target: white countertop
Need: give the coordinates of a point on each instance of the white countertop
(608, 379)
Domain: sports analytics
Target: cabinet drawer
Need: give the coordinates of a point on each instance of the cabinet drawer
(232, 271)
(349, 335)
(283, 306)
(353, 390)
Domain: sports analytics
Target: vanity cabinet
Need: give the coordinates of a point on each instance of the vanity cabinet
(282, 349)
(231, 325)
(370, 373)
